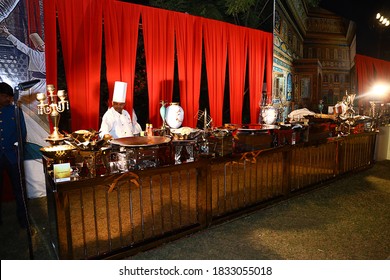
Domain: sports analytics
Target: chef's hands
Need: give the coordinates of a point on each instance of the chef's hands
(107, 137)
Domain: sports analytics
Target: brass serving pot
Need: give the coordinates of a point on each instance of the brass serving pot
(57, 152)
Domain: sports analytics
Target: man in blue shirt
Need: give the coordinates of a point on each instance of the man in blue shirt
(9, 154)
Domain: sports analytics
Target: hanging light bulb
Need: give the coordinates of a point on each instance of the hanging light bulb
(383, 20)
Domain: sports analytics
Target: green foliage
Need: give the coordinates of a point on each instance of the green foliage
(235, 7)
(172, 5)
(250, 13)
(203, 8)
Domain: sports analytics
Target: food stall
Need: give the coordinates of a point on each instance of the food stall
(131, 194)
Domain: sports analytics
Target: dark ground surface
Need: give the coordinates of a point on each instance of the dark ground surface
(348, 219)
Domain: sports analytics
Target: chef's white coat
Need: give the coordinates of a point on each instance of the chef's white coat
(119, 125)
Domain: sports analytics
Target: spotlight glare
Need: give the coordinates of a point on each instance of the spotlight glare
(378, 15)
(381, 19)
(379, 90)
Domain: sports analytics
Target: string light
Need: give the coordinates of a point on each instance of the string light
(382, 20)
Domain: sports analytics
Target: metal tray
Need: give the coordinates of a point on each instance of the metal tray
(141, 141)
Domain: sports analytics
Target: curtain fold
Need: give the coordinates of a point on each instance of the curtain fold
(369, 71)
(269, 56)
(51, 41)
(260, 68)
(159, 54)
(257, 50)
(80, 25)
(121, 41)
(188, 30)
(237, 57)
(215, 45)
(365, 73)
(112, 44)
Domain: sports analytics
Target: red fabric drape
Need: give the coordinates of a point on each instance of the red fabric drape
(269, 55)
(188, 30)
(51, 41)
(159, 54)
(121, 37)
(237, 57)
(80, 24)
(259, 47)
(34, 17)
(369, 71)
(365, 73)
(215, 44)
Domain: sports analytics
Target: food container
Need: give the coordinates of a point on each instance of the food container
(58, 152)
(144, 152)
(185, 133)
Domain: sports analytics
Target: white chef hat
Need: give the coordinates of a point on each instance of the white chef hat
(119, 92)
(37, 40)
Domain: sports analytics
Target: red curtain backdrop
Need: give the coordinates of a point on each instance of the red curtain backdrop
(257, 50)
(121, 37)
(369, 71)
(237, 57)
(159, 54)
(80, 25)
(269, 55)
(188, 30)
(365, 73)
(215, 44)
(50, 20)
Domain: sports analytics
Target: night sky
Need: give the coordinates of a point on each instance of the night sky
(373, 39)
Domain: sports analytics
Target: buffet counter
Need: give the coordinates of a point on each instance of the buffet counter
(123, 212)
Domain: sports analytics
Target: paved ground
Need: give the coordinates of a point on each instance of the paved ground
(348, 219)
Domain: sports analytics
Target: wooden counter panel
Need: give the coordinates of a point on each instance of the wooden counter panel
(99, 221)
(122, 214)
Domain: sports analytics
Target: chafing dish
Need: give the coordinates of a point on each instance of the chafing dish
(185, 133)
(57, 152)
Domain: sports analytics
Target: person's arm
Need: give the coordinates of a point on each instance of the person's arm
(136, 126)
(19, 45)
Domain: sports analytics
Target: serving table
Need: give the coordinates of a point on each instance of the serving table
(120, 214)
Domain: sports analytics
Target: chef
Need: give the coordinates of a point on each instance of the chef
(117, 122)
